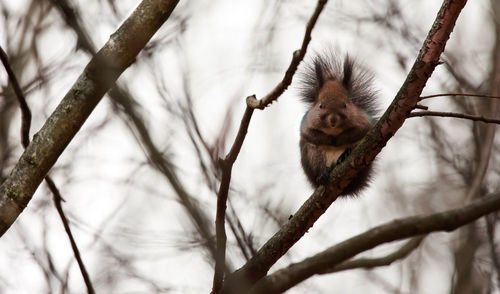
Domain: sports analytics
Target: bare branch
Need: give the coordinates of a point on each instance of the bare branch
(392, 231)
(227, 166)
(458, 95)
(72, 19)
(25, 139)
(368, 263)
(99, 75)
(490, 229)
(454, 114)
(124, 102)
(418, 106)
(25, 110)
(292, 68)
(227, 163)
(57, 202)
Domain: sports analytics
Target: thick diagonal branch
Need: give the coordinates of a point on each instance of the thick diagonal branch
(122, 101)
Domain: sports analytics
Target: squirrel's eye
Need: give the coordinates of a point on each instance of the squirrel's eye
(345, 105)
(320, 105)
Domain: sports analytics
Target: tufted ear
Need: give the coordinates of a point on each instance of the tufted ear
(348, 68)
(318, 68)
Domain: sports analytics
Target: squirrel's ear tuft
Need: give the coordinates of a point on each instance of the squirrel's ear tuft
(325, 65)
(348, 72)
(318, 68)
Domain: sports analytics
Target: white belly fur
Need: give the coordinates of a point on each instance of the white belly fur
(332, 153)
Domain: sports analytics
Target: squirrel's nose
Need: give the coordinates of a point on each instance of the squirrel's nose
(333, 120)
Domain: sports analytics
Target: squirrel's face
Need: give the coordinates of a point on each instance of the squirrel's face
(334, 110)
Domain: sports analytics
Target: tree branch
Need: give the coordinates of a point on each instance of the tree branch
(292, 68)
(25, 110)
(454, 114)
(360, 157)
(124, 102)
(76, 252)
(227, 166)
(368, 263)
(391, 231)
(458, 95)
(25, 140)
(60, 128)
(227, 163)
(419, 106)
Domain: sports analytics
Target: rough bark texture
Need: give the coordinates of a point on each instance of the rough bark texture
(99, 75)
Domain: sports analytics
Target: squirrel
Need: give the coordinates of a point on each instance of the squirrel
(342, 110)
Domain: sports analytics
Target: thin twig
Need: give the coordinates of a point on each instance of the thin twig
(490, 229)
(227, 163)
(57, 202)
(292, 68)
(239, 239)
(227, 166)
(419, 106)
(368, 263)
(25, 140)
(454, 114)
(25, 110)
(458, 95)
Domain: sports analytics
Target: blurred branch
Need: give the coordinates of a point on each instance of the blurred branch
(162, 164)
(99, 75)
(490, 228)
(398, 229)
(57, 202)
(72, 19)
(227, 163)
(239, 238)
(25, 110)
(292, 68)
(360, 157)
(458, 95)
(454, 114)
(124, 102)
(486, 146)
(450, 65)
(25, 139)
(368, 263)
(491, 220)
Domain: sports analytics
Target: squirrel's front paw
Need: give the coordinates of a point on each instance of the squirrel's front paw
(323, 179)
(344, 155)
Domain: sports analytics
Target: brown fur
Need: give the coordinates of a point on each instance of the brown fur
(335, 121)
